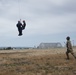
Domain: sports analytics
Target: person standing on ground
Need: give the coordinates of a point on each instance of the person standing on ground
(69, 48)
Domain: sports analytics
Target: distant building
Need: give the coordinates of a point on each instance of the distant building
(49, 45)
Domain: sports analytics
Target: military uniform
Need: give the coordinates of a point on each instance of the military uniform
(24, 25)
(69, 48)
(19, 26)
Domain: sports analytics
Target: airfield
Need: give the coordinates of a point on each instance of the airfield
(37, 62)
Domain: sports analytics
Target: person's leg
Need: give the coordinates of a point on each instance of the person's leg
(67, 54)
(73, 55)
(20, 32)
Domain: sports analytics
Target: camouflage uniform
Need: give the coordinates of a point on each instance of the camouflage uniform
(69, 48)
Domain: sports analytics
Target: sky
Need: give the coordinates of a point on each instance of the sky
(47, 21)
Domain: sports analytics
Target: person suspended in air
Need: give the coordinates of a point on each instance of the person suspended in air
(19, 26)
(23, 25)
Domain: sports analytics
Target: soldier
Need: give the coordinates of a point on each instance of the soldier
(19, 26)
(24, 25)
(69, 48)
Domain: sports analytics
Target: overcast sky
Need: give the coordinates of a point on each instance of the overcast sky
(46, 21)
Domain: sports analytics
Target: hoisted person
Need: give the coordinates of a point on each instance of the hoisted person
(19, 26)
(23, 25)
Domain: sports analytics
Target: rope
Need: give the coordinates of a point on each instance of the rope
(19, 10)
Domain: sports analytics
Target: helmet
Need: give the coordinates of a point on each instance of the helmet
(68, 38)
(23, 20)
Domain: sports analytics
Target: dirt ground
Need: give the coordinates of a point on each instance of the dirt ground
(37, 62)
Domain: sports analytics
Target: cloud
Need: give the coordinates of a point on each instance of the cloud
(43, 17)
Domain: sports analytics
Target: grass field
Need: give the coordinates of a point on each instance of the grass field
(37, 62)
